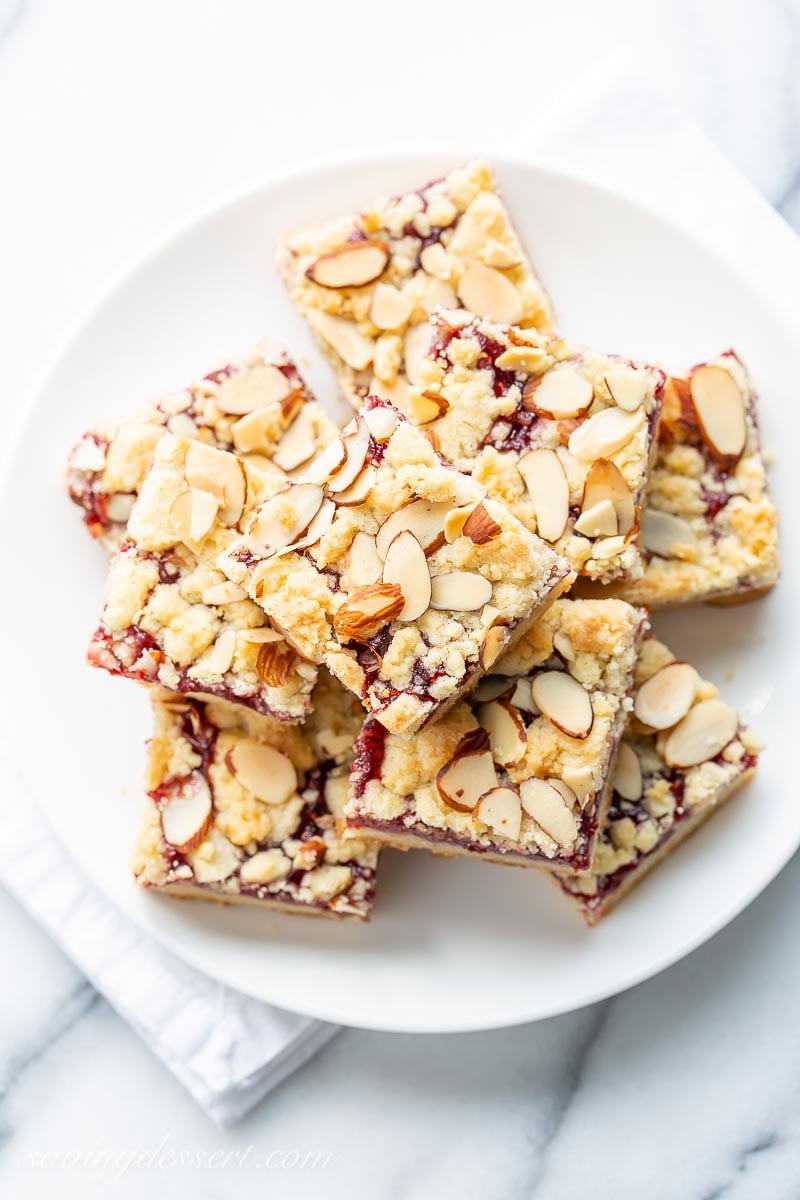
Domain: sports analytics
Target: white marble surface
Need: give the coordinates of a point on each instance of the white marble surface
(117, 117)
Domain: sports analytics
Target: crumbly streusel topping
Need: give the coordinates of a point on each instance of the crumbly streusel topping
(404, 626)
(367, 283)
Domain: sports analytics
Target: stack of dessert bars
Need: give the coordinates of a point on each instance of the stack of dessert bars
(428, 629)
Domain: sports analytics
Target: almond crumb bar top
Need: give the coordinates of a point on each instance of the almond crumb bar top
(367, 283)
(709, 527)
(242, 809)
(258, 406)
(391, 568)
(560, 434)
(683, 755)
(171, 617)
(519, 772)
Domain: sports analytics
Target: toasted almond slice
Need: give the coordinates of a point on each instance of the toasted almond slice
(438, 294)
(284, 518)
(203, 469)
(366, 610)
(721, 415)
(226, 592)
(344, 337)
(604, 433)
(605, 481)
(298, 444)
(186, 815)
(484, 291)
(666, 696)
(363, 563)
(469, 774)
(562, 699)
(598, 521)
(427, 406)
(507, 736)
(455, 521)
(435, 261)
(320, 524)
(460, 591)
(415, 345)
(381, 422)
(356, 444)
(522, 697)
(627, 388)
(501, 810)
(276, 663)
(234, 491)
(352, 264)
(248, 390)
(218, 659)
(523, 358)
(262, 770)
(628, 773)
(562, 644)
(261, 635)
(328, 462)
(405, 564)
(666, 535)
(546, 806)
(558, 395)
(479, 527)
(252, 433)
(359, 490)
(547, 483)
(193, 514)
(702, 734)
(425, 519)
(565, 791)
(493, 644)
(390, 308)
(491, 687)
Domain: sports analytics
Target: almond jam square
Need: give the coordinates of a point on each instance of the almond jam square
(562, 435)
(244, 810)
(367, 283)
(393, 570)
(171, 617)
(518, 773)
(258, 406)
(684, 753)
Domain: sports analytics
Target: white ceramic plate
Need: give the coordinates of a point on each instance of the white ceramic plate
(453, 945)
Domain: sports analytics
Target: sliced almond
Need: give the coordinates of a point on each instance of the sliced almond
(492, 687)
(319, 526)
(284, 518)
(598, 521)
(523, 358)
(276, 663)
(562, 644)
(547, 484)
(193, 514)
(427, 406)
(605, 481)
(353, 264)
(186, 815)
(666, 535)
(424, 518)
(604, 433)
(249, 390)
(219, 473)
(381, 422)
(415, 345)
(547, 807)
(493, 644)
(721, 414)
(558, 395)
(628, 774)
(438, 294)
(182, 425)
(234, 491)
(226, 592)
(253, 432)
(390, 308)
(363, 563)
(359, 490)
(702, 734)
(261, 635)
(507, 736)
(264, 771)
(562, 699)
(367, 610)
(522, 697)
(328, 462)
(569, 797)
(298, 444)
(484, 291)
(218, 659)
(606, 548)
(666, 696)
(405, 564)
(479, 527)
(435, 261)
(460, 591)
(355, 439)
(344, 337)
(628, 388)
(501, 810)
(455, 521)
(469, 774)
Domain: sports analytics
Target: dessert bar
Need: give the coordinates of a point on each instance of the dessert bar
(520, 772)
(391, 568)
(242, 809)
(562, 435)
(683, 755)
(259, 406)
(367, 283)
(171, 617)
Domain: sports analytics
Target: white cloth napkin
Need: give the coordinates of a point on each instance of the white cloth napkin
(228, 1050)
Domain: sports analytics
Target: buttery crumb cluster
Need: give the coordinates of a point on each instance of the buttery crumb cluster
(428, 629)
